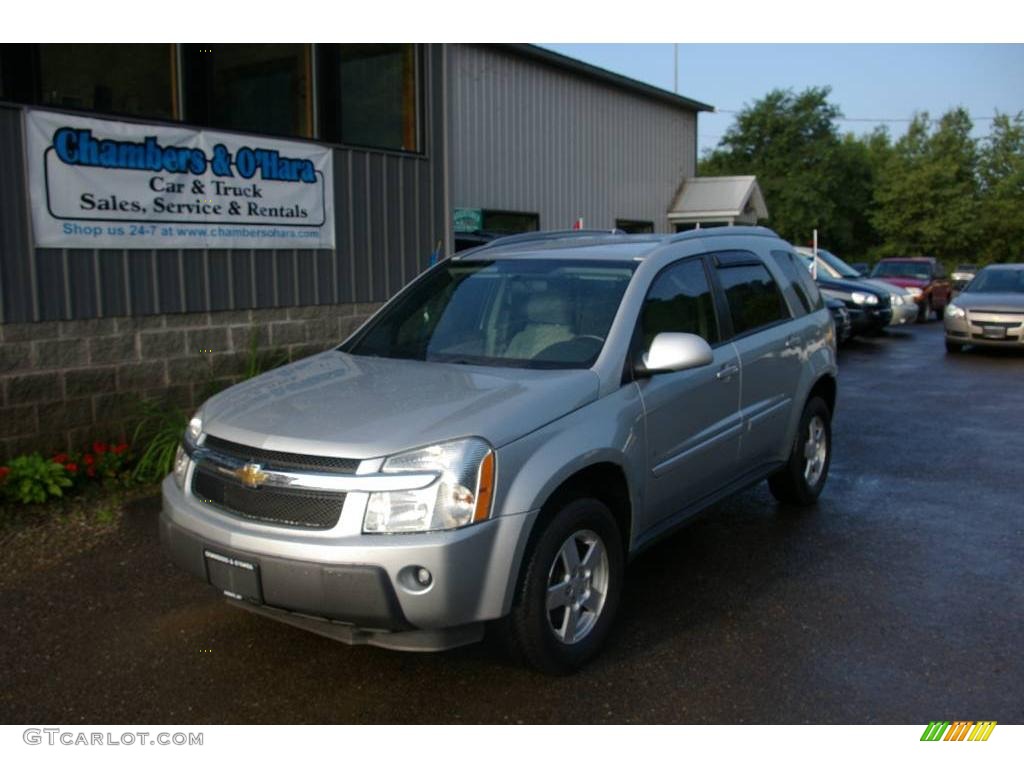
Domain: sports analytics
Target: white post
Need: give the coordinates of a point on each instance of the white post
(814, 260)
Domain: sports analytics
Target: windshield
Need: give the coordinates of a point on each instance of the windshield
(840, 267)
(917, 270)
(997, 281)
(521, 313)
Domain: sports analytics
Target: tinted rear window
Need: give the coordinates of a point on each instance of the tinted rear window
(755, 300)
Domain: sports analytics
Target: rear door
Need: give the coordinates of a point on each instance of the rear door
(770, 338)
(692, 416)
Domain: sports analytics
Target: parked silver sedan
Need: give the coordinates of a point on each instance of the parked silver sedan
(989, 311)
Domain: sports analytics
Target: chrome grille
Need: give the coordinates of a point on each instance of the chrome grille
(245, 454)
(276, 506)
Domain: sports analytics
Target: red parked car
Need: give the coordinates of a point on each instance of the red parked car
(924, 277)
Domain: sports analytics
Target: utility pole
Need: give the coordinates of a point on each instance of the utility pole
(675, 67)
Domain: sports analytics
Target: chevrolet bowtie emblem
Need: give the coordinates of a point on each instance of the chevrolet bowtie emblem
(251, 475)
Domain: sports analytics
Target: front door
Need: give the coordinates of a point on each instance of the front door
(691, 416)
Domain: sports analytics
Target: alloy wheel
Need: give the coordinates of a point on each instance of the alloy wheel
(577, 586)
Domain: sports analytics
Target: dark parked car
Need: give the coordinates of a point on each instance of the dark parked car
(869, 306)
(841, 320)
(924, 277)
(861, 267)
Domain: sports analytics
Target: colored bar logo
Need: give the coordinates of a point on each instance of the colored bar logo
(960, 730)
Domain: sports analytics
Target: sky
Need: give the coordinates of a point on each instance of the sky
(868, 82)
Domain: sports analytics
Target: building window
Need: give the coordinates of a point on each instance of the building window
(510, 222)
(119, 79)
(369, 95)
(259, 88)
(634, 227)
(688, 226)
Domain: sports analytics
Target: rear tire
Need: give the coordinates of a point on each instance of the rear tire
(802, 479)
(569, 589)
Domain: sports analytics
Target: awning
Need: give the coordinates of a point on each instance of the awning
(718, 200)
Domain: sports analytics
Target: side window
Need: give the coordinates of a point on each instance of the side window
(754, 297)
(802, 285)
(680, 301)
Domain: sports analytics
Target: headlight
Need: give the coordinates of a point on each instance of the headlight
(864, 298)
(180, 467)
(954, 312)
(193, 431)
(915, 292)
(461, 494)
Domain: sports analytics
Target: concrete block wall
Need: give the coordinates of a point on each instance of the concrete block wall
(64, 384)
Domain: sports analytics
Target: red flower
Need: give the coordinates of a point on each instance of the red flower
(4, 472)
(120, 448)
(90, 472)
(71, 467)
(89, 459)
(99, 447)
(60, 458)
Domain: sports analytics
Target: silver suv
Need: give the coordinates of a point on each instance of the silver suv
(501, 437)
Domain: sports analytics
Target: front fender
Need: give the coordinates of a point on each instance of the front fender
(533, 467)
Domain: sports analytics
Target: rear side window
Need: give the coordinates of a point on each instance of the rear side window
(802, 285)
(755, 300)
(680, 301)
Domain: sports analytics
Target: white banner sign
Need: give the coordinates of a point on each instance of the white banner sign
(106, 184)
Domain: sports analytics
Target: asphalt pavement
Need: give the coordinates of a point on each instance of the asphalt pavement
(898, 599)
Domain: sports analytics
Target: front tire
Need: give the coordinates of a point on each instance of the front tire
(569, 589)
(953, 347)
(802, 479)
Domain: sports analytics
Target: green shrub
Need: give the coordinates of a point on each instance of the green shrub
(160, 429)
(31, 479)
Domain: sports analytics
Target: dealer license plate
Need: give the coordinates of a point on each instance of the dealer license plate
(993, 332)
(236, 578)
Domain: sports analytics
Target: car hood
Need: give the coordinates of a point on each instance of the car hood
(848, 285)
(882, 285)
(335, 404)
(905, 282)
(992, 302)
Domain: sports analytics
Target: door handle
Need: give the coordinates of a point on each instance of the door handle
(727, 371)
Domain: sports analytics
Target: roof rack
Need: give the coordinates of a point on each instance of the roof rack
(551, 234)
(694, 234)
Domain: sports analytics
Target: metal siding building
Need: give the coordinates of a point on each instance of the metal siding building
(532, 131)
(389, 212)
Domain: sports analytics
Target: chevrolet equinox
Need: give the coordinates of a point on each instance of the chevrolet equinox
(495, 443)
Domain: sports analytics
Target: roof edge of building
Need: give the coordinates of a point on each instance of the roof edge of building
(570, 64)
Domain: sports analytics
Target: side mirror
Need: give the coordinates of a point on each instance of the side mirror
(671, 352)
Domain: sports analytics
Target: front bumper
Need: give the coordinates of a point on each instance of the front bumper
(872, 319)
(356, 587)
(988, 329)
(904, 313)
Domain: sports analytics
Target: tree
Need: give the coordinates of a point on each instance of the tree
(810, 177)
(926, 195)
(1001, 178)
